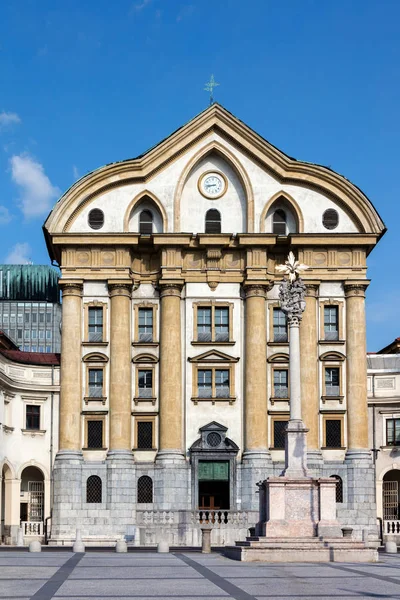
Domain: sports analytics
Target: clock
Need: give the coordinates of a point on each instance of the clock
(212, 184)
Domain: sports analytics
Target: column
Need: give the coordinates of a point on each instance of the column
(170, 421)
(309, 371)
(120, 368)
(356, 369)
(71, 368)
(255, 373)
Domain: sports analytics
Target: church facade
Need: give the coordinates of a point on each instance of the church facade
(175, 387)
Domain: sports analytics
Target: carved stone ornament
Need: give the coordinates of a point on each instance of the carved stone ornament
(170, 289)
(292, 299)
(119, 289)
(71, 289)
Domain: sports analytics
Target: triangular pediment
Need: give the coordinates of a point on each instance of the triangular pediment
(212, 356)
(213, 426)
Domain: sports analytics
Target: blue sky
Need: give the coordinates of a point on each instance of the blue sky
(85, 83)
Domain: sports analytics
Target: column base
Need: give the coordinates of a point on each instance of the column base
(296, 450)
(170, 457)
(358, 455)
(120, 456)
(256, 457)
(69, 456)
(314, 457)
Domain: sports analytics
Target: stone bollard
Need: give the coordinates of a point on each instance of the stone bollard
(20, 537)
(163, 546)
(206, 539)
(78, 545)
(391, 547)
(121, 546)
(35, 547)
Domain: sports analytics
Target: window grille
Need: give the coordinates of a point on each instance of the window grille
(95, 324)
(221, 321)
(32, 417)
(214, 439)
(330, 219)
(204, 383)
(331, 325)
(145, 384)
(145, 435)
(332, 387)
(393, 432)
(279, 222)
(333, 433)
(213, 221)
(93, 489)
(145, 324)
(279, 434)
(339, 489)
(280, 326)
(36, 500)
(390, 500)
(222, 383)
(281, 383)
(145, 490)
(146, 222)
(95, 383)
(96, 218)
(95, 434)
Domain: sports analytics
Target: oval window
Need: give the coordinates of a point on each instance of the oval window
(330, 219)
(96, 218)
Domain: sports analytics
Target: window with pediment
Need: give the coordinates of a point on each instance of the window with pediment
(213, 377)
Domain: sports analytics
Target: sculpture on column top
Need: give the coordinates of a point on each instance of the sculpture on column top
(292, 292)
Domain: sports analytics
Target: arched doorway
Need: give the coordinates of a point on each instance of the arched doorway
(32, 501)
(390, 495)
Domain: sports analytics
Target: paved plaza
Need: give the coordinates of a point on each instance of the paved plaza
(191, 576)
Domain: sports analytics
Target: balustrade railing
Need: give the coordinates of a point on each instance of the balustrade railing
(32, 528)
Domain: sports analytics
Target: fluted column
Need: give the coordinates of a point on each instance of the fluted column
(171, 425)
(356, 371)
(120, 367)
(309, 370)
(71, 366)
(255, 372)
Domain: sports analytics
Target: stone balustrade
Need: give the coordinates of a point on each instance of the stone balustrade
(391, 527)
(32, 528)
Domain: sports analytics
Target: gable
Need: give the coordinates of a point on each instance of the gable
(213, 356)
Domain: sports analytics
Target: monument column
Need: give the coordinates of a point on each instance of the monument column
(120, 368)
(309, 371)
(356, 371)
(255, 373)
(171, 401)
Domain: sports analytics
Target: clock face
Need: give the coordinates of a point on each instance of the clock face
(212, 185)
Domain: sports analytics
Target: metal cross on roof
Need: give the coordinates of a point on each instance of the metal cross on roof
(210, 85)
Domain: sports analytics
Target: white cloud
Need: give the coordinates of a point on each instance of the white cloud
(75, 172)
(5, 216)
(7, 119)
(37, 192)
(139, 6)
(19, 254)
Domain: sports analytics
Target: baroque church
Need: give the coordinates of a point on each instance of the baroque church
(175, 388)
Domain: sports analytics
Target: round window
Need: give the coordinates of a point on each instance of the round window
(96, 218)
(330, 219)
(213, 439)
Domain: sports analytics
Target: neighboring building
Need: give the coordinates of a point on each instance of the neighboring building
(29, 399)
(30, 309)
(175, 376)
(384, 432)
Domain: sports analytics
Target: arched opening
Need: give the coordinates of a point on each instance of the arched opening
(145, 490)
(279, 222)
(146, 222)
(390, 500)
(339, 489)
(93, 490)
(32, 501)
(281, 217)
(213, 221)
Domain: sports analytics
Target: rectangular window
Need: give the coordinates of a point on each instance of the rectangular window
(32, 417)
(34, 334)
(279, 434)
(20, 318)
(145, 435)
(333, 433)
(95, 434)
(95, 324)
(41, 334)
(26, 348)
(281, 389)
(20, 334)
(393, 432)
(41, 348)
(27, 317)
(27, 334)
(95, 383)
(332, 381)
(5, 319)
(12, 319)
(204, 383)
(34, 348)
(145, 383)
(41, 317)
(34, 317)
(48, 348)
(213, 324)
(204, 324)
(222, 383)
(280, 326)
(145, 324)
(48, 335)
(221, 323)
(331, 322)
(48, 317)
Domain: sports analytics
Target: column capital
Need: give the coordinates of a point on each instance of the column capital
(256, 289)
(119, 288)
(355, 289)
(171, 289)
(71, 288)
(312, 289)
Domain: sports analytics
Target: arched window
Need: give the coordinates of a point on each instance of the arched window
(146, 222)
(339, 488)
(145, 490)
(213, 221)
(93, 489)
(279, 222)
